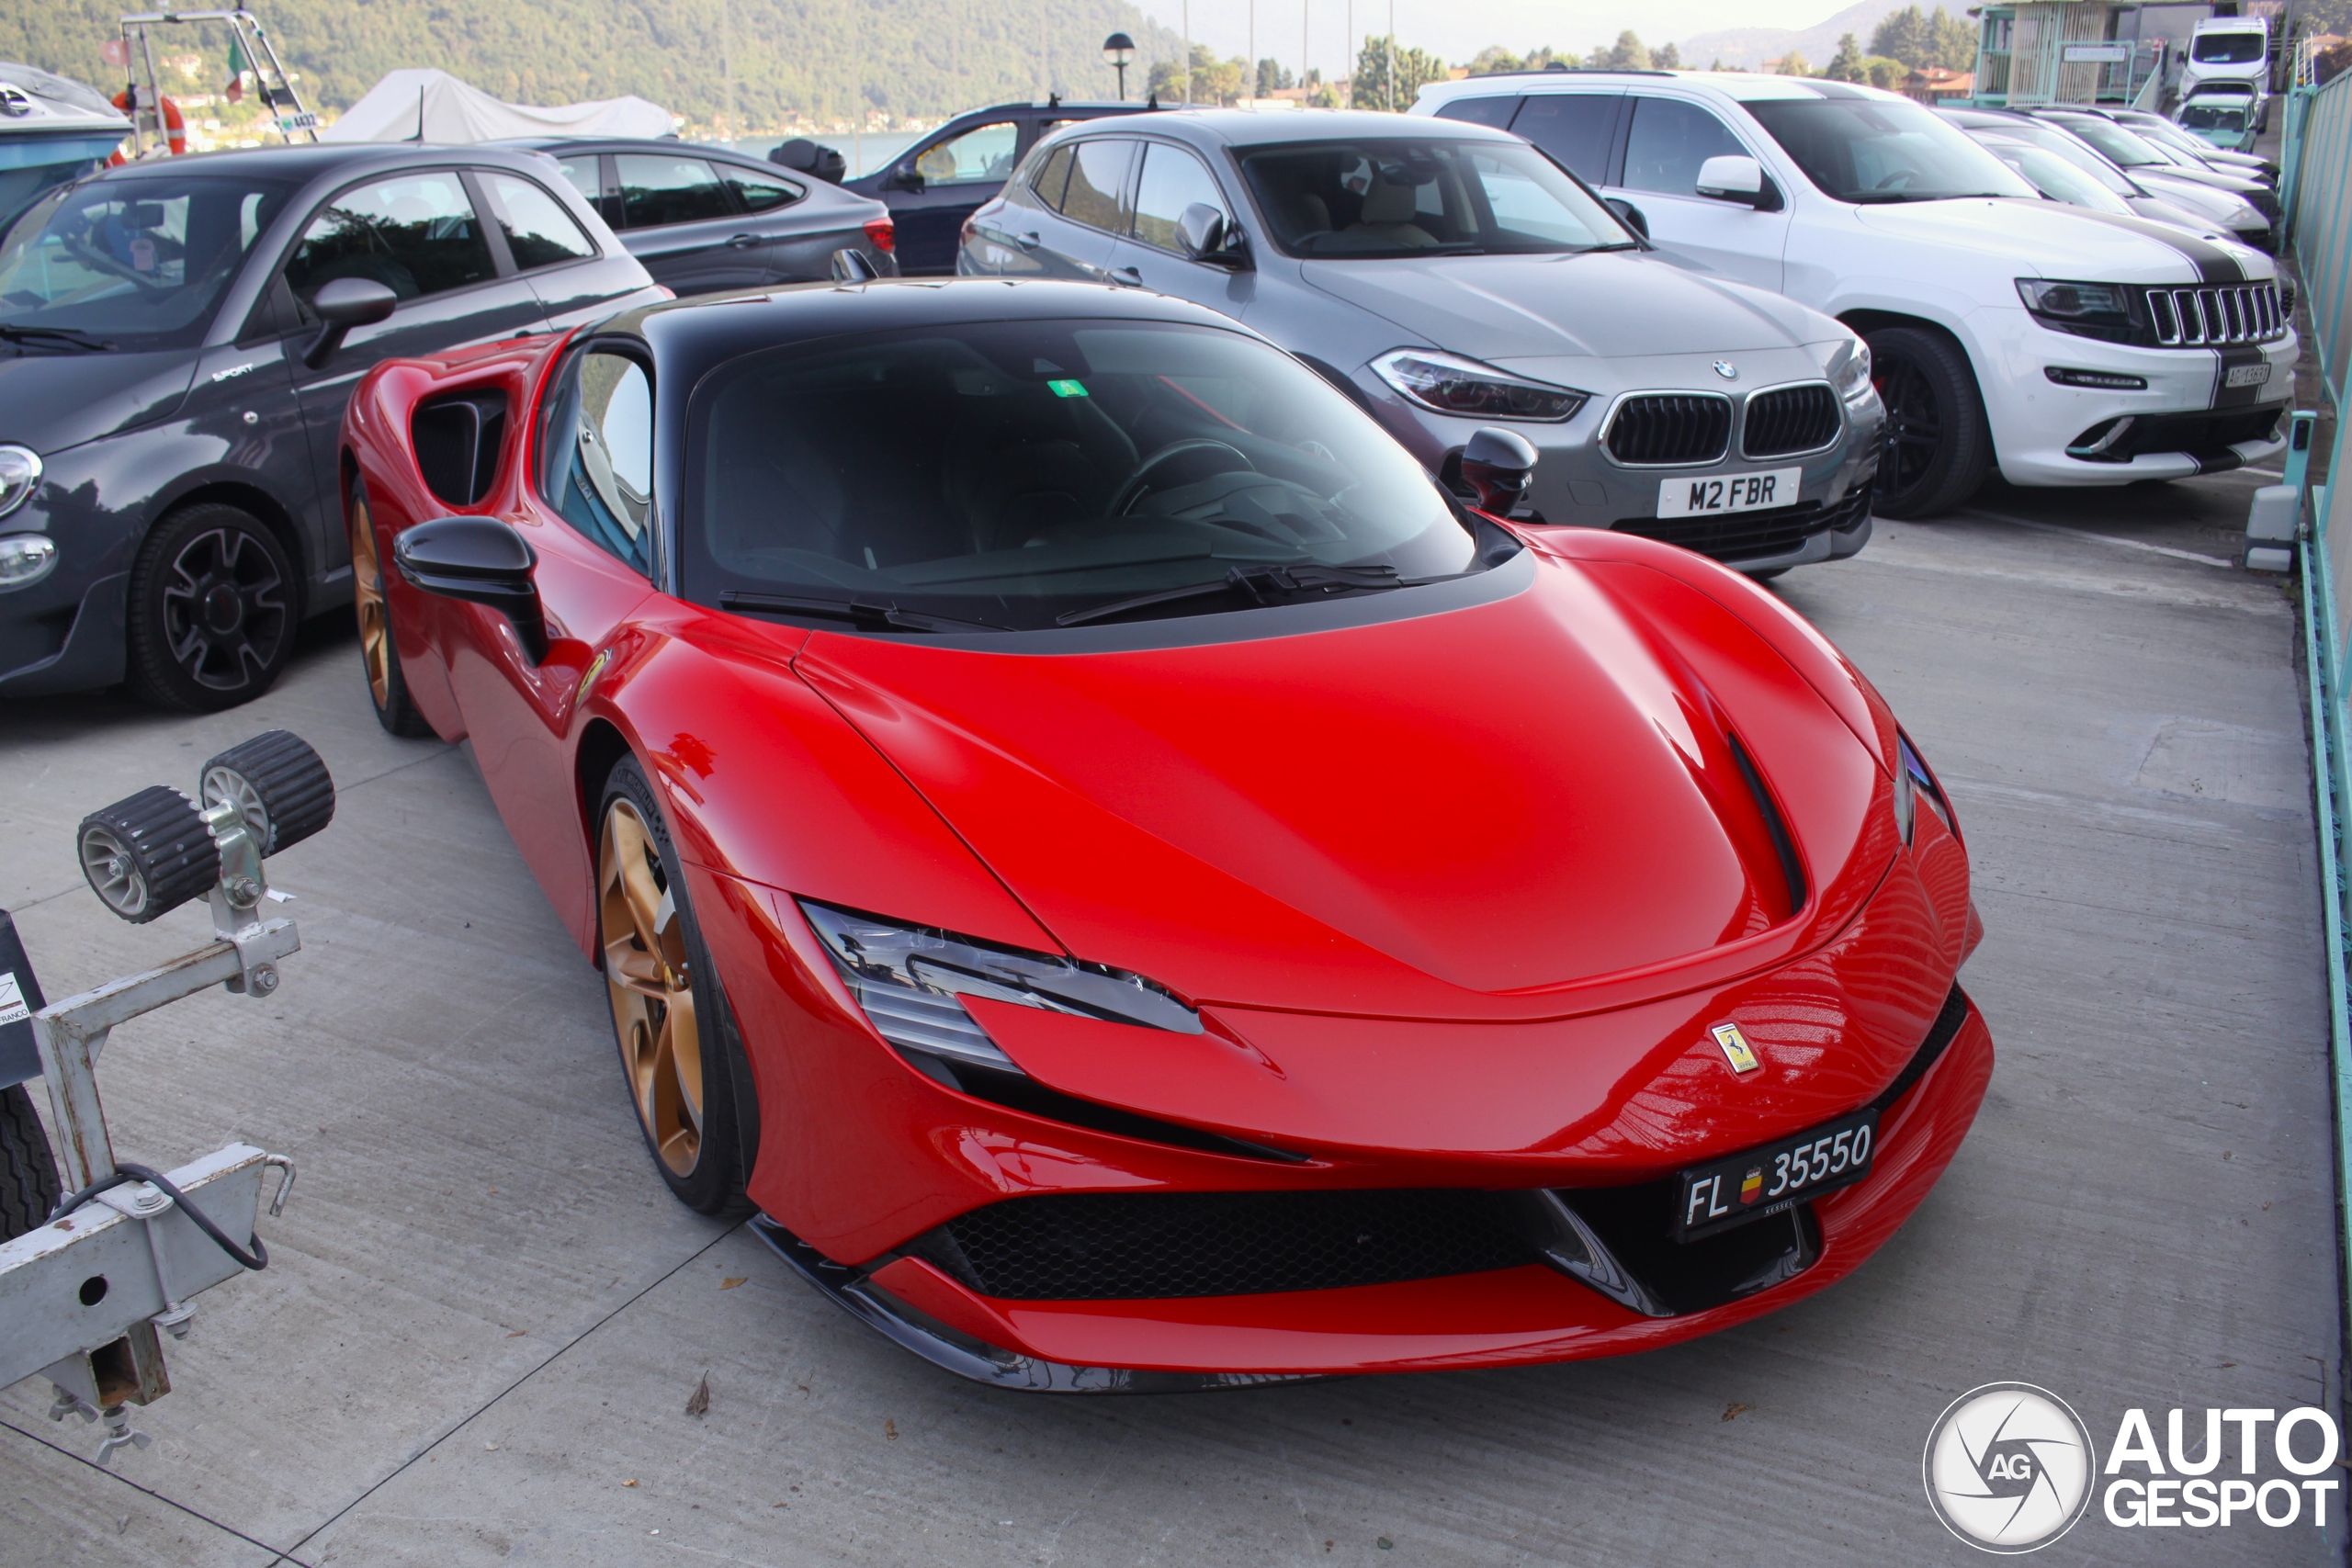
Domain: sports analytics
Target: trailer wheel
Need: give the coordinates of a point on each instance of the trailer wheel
(28, 1188)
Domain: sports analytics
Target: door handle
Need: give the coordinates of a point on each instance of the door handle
(742, 241)
(1028, 242)
(1127, 275)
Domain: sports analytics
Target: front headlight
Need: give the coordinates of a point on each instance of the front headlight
(1914, 784)
(1447, 383)
(2111, 311)
(907, 979)
(1853, 378)
(19, 473)
(24, 558)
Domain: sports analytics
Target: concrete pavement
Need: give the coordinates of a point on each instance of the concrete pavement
(484, 1315)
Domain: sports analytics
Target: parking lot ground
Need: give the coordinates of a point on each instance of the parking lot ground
(484, 1317)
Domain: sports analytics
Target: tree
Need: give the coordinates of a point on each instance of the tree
(1715, 64)
(1628, 53)
(1920, 40)
(1795, 64)
(1494, 57)
(1846, 65)
(1415, 67)
(1665, 57)
(1272, 78)
(1883, 73)
(1215, 81)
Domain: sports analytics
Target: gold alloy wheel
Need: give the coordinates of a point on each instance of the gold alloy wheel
(367, 587)
(653, 999)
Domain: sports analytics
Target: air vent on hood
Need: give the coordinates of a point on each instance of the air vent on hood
(1656, 429)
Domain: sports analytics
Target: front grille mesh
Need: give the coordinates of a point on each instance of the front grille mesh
(1137, 1245)
(1790, 419)
(2196, 318)
(1661, 428)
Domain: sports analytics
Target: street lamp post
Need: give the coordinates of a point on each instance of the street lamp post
(1118, 49)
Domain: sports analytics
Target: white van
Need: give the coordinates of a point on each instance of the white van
(2063, 346)
(2233, 49)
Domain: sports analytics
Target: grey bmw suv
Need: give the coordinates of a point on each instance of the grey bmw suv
(1450, 276)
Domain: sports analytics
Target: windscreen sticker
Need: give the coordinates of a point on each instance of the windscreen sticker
(1067, 389)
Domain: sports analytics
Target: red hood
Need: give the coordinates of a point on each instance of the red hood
(1404, 817)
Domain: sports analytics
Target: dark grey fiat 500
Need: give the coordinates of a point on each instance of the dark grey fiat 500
(1450, 276)
(177, 340)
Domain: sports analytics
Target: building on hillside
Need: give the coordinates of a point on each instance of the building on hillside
(1936, 85)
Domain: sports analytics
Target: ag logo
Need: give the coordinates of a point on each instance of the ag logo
(2009, 1467)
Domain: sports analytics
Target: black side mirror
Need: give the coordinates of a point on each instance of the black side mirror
(342, 304)
(1497, 464)
(906, 176)
(483, 561)
(1630, 214)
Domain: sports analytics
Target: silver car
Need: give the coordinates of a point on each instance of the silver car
(1449, 276)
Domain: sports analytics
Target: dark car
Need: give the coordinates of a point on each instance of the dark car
(943, 179)
(178, 341)
(703, 218)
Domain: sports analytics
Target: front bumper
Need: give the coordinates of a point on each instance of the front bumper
(1578, 484)
(2187, 421)
(1528, 1314)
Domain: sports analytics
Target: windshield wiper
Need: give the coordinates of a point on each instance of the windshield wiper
(1257, 582)
(865, 616)
(21, 335)
(1612, 245)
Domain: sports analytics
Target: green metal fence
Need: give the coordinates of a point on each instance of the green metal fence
(2315, 191)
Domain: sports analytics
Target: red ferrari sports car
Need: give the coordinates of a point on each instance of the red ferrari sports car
(1129, 882)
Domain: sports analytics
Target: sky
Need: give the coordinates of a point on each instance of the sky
(1457, 30)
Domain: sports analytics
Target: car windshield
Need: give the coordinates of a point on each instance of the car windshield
(2057, 144)
(139, 262)
(1410, 198)
(2227, 48)
(2051, 176)
(2214, 117)
(1030, 474)
(1871, 149)
(2120, 145)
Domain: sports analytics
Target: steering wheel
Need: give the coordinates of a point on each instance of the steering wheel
(1138, 483)
(1905, 175)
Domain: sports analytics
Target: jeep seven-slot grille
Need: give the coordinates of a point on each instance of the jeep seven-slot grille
(1660, 428)
(1790, 419)
(1138, 1245)
(2197, 318)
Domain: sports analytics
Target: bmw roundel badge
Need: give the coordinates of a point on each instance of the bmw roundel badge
(1726, 369)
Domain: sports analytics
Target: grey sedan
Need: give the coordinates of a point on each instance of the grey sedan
(703, 218)
(1449, 277)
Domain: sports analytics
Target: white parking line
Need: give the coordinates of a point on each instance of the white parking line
(2100, 538)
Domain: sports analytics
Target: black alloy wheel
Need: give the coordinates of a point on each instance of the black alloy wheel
(211, 610)
(1938, 449)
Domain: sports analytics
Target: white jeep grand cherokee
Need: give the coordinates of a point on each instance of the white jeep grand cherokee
(2068, 346)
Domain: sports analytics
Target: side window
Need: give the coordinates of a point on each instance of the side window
(657, 188)
(1574, 128)
(759, 192)
(1098, 182)
(415, 233)
(538, 230)
(582, 169)
(1050, 179)
(1172, 180)
(600, 454)
(1495, 112)
(1668, 142)
(982, 156)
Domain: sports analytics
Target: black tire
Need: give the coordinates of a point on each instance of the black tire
(28, 1188)
(379, 651)
(1938, 449)
(214, 603)
(713, 1182)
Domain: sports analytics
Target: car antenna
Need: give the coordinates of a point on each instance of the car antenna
(1053, 100)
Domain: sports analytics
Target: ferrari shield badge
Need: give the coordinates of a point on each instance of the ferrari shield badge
(1735, 1048)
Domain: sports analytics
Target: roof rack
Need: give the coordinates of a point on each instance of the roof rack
(1557, 70)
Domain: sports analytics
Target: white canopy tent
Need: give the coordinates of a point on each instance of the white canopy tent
(432, 105)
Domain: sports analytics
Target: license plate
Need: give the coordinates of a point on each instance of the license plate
(2246, 375)
(1774, 1178)
(1728, 492)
